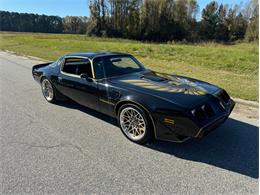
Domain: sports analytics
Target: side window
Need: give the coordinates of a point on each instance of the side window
(77, 66)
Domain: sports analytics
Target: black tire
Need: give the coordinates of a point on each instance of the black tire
(147, 135)
(50, 99)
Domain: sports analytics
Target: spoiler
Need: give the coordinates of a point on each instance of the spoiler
(40, 65)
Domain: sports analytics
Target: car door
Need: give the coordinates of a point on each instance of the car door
(82, 90)
(108, 95)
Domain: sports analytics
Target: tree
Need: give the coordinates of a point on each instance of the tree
(24, 22)
(221, 23)
(94, 27)
(148, 20)
(222, 31)
(209, 21)
(74, 24)
(252, 31)
(133, 19)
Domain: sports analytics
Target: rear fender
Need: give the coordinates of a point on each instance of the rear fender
(36, 71)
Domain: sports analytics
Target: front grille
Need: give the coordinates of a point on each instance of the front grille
(208, 110)
(199, 114)
(203, 112)
(214, 107)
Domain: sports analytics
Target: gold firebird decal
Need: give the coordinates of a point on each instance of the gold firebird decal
(174, 84)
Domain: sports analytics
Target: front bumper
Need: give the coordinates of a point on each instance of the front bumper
(206, 129)
(184, 127)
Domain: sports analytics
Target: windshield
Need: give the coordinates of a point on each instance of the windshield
(110, 66)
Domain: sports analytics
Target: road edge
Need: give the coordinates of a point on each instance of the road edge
(249, 103)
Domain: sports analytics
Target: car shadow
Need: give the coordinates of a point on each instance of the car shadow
(73, 105)
(233, 146)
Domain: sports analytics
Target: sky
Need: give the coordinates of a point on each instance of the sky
(70, 7)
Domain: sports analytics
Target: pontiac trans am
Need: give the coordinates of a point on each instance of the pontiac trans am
(147, 104)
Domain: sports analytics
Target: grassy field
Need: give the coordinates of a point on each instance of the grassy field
(233, 67)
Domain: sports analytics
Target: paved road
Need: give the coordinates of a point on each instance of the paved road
(69, 149)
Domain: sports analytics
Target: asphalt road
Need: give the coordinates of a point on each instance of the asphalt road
(69, 149)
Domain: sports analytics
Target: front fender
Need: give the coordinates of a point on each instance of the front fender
(156, 110)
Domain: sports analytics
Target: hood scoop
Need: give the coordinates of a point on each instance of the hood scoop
(153, 78)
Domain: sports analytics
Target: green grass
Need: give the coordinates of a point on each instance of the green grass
(233, 67)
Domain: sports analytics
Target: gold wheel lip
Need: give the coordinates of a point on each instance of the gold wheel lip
(134, 123)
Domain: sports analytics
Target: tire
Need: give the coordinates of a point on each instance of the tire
(134, 123)
(48, 90)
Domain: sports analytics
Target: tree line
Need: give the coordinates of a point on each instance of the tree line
(25, 22)
(148, 20)
(168, 20)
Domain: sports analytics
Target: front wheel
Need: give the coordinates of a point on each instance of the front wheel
(48, 90)
(134, 123)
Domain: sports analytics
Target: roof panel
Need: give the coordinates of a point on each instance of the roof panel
(95, 54)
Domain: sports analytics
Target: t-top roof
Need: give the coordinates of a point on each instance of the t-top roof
(95, 54)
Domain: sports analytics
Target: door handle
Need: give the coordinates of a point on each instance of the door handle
(59, 78)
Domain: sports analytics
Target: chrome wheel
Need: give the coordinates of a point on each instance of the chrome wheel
(47, 90)
(132, 123)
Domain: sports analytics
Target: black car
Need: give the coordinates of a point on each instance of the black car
(147, 104)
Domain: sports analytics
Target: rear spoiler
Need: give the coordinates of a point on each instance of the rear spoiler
(37, 66)
(40, 65)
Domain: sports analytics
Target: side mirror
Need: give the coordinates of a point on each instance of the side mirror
(86, 77)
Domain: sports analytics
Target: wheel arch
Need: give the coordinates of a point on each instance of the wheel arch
(58, 94)
(43, 77)
(124, 102)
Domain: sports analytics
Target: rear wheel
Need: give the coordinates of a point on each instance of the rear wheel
(134, 123)
(48, 90)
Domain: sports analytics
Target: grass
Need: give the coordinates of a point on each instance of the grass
(233, 67)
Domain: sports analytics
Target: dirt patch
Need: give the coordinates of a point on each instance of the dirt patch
(247, 111)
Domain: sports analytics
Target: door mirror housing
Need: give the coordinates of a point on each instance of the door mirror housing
(85, 76)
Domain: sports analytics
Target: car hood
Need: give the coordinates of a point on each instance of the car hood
(183, 91)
